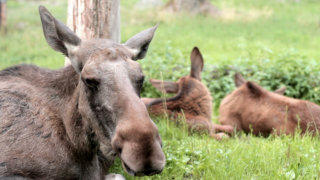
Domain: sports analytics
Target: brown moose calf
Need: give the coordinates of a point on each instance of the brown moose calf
(251, 108)
(192, 100)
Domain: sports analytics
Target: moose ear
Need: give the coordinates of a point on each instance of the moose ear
(139, 43)
(238, 79)
(254, 89)
(165, 86)
(58, 35)
(196, 63)
(281, 90)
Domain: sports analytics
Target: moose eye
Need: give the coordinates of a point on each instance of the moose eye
(91, 83)
(139, 84)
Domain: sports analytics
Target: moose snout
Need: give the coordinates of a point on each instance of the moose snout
(139, 149)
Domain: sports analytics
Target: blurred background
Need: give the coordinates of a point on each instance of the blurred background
(273, 42)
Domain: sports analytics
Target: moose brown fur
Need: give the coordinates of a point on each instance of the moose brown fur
(71, 123)
(250, 108)
(192, 100)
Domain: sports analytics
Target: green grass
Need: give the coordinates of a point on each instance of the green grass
(278, 39)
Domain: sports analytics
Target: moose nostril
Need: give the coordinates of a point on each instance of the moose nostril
(119, 150)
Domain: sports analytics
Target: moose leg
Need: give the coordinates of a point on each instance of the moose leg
(229, 124)
(224, 128)
(219, 136)
(201, 125)
(147, 101)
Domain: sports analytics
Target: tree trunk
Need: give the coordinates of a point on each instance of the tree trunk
(94, 19)
(3, 16)
(204, 7)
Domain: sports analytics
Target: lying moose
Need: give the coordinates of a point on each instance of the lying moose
(192, 100)
(71, 123)
(251, 108)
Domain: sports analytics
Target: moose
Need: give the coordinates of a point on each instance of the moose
(192, 100)
(73, 122)
(253, 109)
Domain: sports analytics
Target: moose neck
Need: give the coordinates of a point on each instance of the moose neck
(64, 81)
(68, 87)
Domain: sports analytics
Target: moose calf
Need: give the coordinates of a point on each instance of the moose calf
(250, 108)
(71, 123)
(192, 100)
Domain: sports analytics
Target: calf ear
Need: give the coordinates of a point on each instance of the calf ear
(165, 86)
(254, 89)
(139, 43)
(196, 63)
(58, 35)
(238, 79)
(281, 90)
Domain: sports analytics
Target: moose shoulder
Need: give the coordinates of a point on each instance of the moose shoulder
(71, 123)
(251, 108)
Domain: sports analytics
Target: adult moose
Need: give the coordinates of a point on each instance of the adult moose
(70, 123)
(192, 100)
(251, 108)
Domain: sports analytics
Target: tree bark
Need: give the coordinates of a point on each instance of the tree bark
(94, 19)
(3, 16)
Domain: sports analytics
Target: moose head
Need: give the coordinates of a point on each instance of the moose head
(110, 80)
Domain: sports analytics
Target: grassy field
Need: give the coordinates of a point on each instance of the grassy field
(276, 38)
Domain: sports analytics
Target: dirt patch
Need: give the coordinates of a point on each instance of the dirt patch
(238, 14)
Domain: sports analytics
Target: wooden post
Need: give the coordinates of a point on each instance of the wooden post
(3, 16)
(94, 19)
